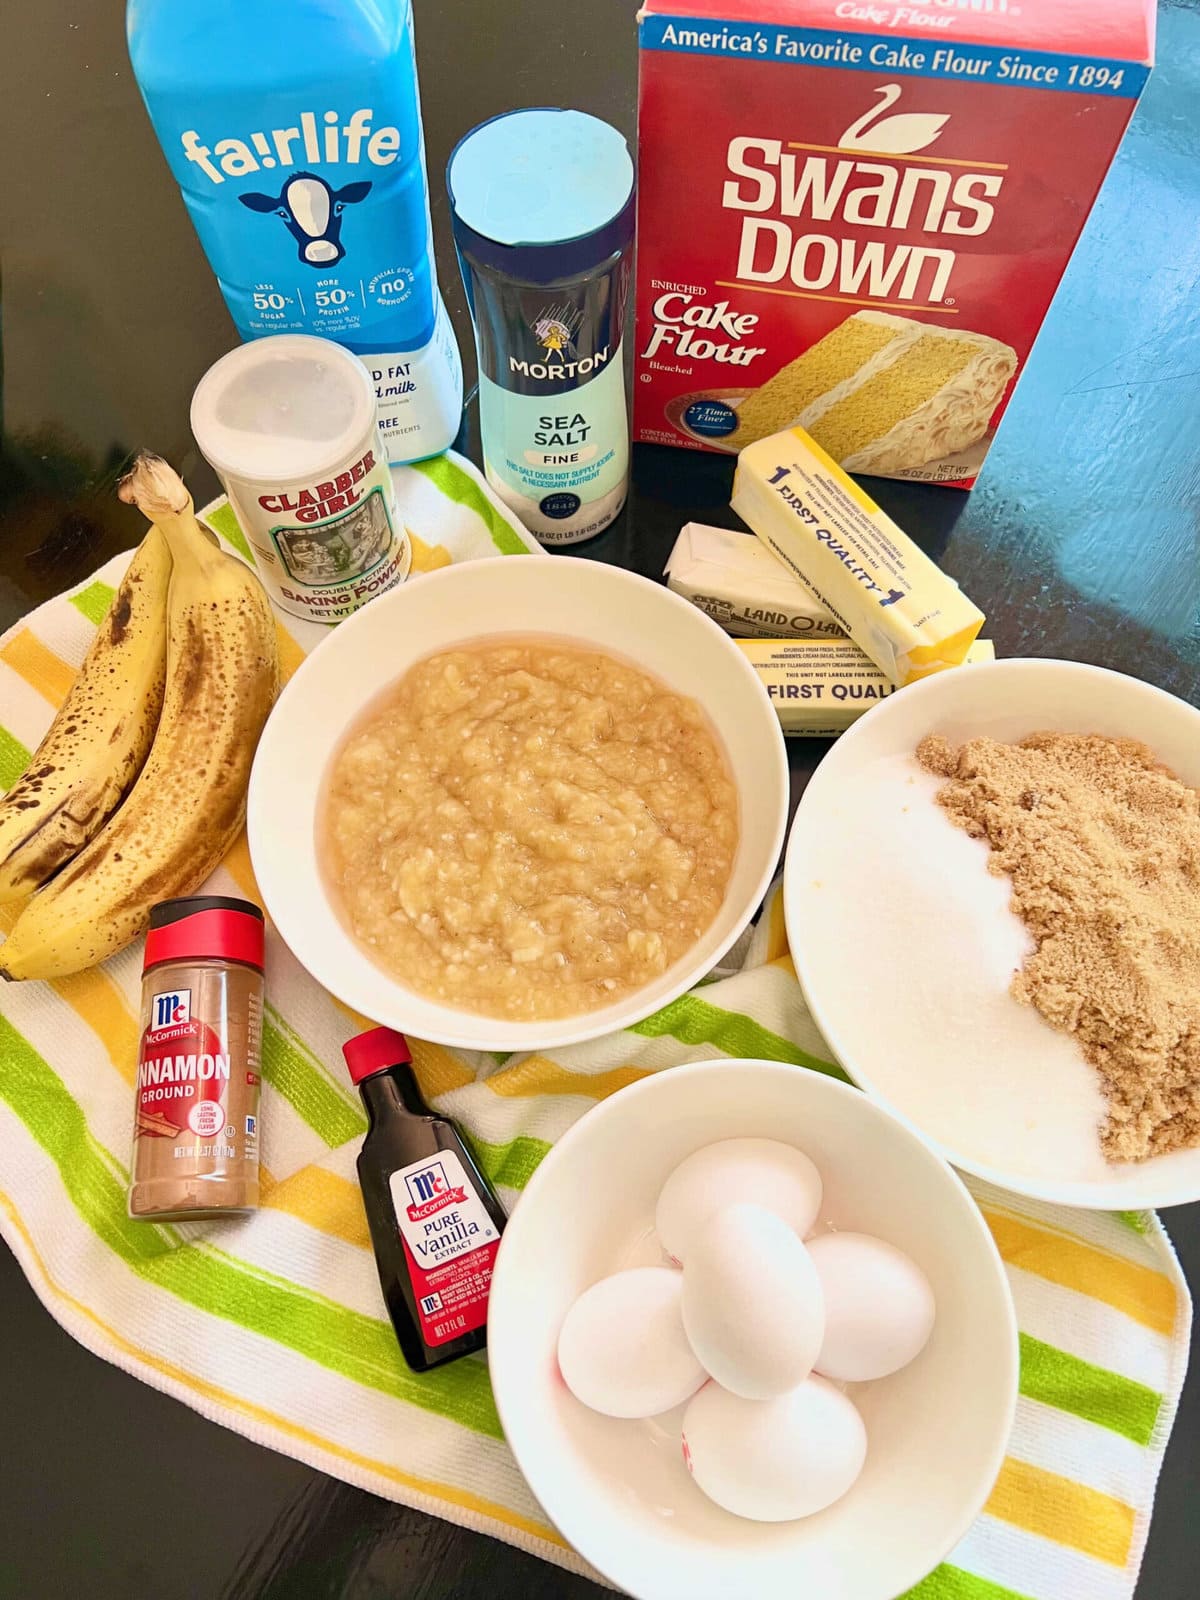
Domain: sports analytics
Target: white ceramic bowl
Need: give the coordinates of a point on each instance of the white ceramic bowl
(589, 604)
(1021, 1118)
(619, 1491)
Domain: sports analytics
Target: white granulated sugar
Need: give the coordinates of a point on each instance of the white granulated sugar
(915, 970)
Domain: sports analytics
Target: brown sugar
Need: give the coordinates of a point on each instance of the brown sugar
(1102, 844)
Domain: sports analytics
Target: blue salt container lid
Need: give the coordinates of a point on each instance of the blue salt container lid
(542, 193)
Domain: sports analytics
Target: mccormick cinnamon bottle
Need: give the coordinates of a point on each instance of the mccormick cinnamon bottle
(195, 1144)
(435, 1221)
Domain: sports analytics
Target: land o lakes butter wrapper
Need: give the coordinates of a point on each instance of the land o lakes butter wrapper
(820, 686)
(895, 603)
(742, 586)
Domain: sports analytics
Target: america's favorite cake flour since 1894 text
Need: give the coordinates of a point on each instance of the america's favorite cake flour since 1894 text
(853, 215)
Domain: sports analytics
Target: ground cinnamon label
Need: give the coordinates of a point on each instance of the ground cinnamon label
(195, 1146)
(1102, 844)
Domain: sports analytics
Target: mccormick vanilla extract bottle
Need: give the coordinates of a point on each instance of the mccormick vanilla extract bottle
(293, 128)
(435, 1221)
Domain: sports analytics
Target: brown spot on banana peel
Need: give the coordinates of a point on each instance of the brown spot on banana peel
(120, 614)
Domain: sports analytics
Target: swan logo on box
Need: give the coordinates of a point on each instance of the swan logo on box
(902, 135)
(864, 181)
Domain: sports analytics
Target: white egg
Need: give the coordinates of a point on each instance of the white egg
(752, 1302)
(622, 1349)
(774, 1460)
(879, 1306)
(762, 1172)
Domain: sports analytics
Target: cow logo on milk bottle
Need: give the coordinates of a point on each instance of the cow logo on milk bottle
(308, 188)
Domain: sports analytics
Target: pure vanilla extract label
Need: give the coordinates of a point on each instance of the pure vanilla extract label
(450, 1245)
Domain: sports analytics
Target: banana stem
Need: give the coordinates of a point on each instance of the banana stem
(154, 486)
(161, 495)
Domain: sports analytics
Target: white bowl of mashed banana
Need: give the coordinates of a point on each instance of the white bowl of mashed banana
(518, 804)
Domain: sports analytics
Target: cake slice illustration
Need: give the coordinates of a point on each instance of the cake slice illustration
(883, 393)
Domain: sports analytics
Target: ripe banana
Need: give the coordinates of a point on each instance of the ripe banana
(188, 805)
(98, 742)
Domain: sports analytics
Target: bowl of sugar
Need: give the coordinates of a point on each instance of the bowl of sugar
(995, 935)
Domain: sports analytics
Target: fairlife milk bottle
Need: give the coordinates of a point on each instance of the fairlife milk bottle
(293, 128)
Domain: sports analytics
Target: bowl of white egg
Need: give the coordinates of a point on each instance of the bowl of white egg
(749, 1335)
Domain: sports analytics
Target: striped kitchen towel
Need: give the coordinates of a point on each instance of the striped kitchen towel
(273, 1325)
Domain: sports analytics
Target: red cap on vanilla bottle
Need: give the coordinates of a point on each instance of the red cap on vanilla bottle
(375, 1051)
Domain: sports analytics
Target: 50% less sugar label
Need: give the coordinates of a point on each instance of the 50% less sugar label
(183, 1080)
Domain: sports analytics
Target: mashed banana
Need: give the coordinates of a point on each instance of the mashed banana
(529, 830)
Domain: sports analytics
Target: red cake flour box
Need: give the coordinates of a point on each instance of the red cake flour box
(853, 214)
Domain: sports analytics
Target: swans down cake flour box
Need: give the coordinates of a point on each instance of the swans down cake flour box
(853, 214)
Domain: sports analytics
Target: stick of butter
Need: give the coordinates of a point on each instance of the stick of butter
(819, 687)
(893, 601)
(743, 587)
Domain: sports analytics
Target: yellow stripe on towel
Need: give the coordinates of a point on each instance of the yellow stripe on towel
(322, 1201)
(539, 1075)
(777, 944)
(1060, 1509)
(1140, 1292)
(438, 1072)
(38, 665)
(210, 1391)
(240, 868)
(290, 653)
(95, 1000)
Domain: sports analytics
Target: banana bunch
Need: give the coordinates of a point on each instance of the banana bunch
(181, 758)
(99, 741)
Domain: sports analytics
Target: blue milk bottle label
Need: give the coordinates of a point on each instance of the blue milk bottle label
(309, 195)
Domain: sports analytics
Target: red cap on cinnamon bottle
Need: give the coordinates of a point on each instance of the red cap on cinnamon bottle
(205, 927)
(375, 1051)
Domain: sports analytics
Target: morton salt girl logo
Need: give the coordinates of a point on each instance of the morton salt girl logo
(555, 328)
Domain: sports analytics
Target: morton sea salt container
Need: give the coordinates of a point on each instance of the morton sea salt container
(293, 128)
(543, 204)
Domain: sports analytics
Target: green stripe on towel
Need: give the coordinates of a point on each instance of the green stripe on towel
(460, 487)
(230, 529)
(1137, 1221)
(359, 1348)
(512, 1164)
(1097, 1395)
(94, 601)
(294, 1071)
(14, 758)
(952, 1583)
(695, 1021)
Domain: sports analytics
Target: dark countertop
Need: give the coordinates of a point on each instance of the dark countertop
(1081, 541)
